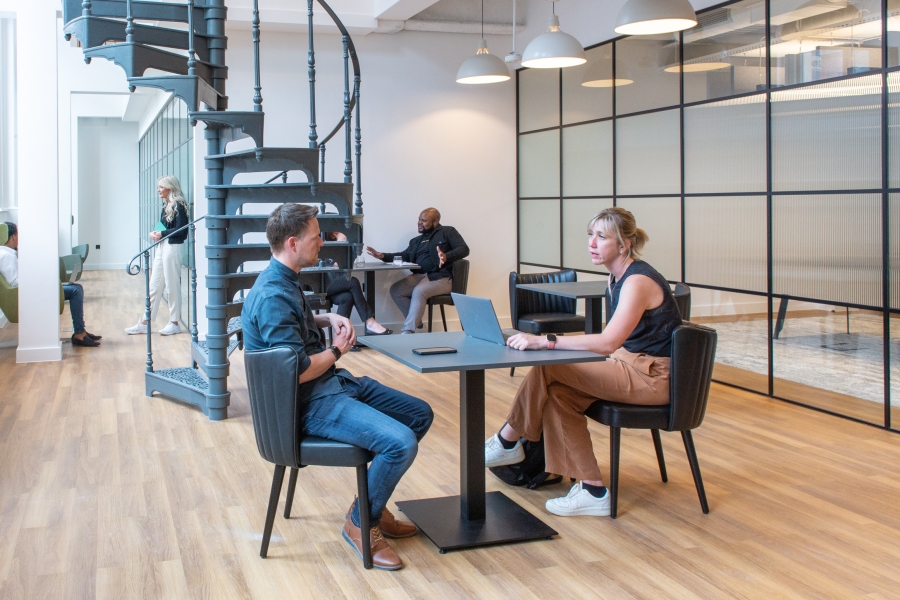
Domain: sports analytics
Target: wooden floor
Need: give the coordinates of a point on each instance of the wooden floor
(105, 493)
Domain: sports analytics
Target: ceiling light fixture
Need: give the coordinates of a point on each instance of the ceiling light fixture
(599, 75)
(484, 67)
(649, 17)
(513, 56)
(553, 49)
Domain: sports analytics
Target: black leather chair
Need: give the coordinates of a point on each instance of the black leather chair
(272, 382)
(460, 284)
(693, 355)
(540, 314)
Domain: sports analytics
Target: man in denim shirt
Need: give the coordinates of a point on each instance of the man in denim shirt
(336, 405)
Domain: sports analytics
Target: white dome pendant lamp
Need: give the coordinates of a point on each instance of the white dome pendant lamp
(649, 17)
(484, 67)
(553, 49)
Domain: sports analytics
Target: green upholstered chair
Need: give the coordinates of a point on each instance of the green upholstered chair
(4, 233)
(68, 265)
(82, 251)
(9, 300)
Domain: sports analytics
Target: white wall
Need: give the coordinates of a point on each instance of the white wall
(426, 140)
(108, 191)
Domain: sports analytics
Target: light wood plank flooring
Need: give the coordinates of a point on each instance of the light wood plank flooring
(106, 493)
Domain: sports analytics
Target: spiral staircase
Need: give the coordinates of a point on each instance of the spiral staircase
(193, 64)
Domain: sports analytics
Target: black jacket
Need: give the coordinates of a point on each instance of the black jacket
(180, 220)
(452, 245)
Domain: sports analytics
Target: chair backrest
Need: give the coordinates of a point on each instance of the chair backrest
(4, 233)
(82, 251)
(682, 294)
(460, 276)
(693, 357)
(9, 300)
(272, 382)
(524, 302)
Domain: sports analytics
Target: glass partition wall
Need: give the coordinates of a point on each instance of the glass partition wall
(761, 153)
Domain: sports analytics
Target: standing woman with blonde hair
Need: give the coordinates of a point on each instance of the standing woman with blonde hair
(165, 276)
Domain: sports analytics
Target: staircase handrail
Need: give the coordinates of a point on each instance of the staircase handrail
(130, 267)
(354, 59)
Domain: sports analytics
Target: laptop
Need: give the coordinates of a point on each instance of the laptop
(479, 319)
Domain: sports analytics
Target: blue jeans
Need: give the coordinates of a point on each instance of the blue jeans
(74, 293)
(378, 418)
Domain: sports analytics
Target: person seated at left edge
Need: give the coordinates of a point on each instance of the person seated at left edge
(335, 404)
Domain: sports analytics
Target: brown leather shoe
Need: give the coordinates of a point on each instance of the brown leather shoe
(392, 528)
(383, 557)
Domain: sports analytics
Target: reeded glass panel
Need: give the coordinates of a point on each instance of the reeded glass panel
(587, 159)
(740, 321)
(894, 225)
(726, 53)
(576, 216)
(828, 136)
(539, 232)
(815, 40)
(538, 99)
(828, 247)
(894, 127)
(725, 146)
(539, 164)
(661, 219)
(831, 357)
(725, 242)
(648, 159)
(895, 371)
(587, 88)
(642, 61)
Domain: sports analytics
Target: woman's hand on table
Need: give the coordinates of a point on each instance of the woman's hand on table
(526, 341)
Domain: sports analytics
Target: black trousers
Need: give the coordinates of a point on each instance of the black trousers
(347, 293)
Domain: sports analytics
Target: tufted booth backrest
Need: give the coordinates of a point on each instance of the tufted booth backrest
(524, 302)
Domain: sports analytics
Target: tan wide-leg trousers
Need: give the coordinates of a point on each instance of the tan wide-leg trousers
(552, 400)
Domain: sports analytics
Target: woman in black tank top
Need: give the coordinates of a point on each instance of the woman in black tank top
(552, 399)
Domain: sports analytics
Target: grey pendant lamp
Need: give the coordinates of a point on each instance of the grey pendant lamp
(553, 49)
(648, 17)
(484, 67)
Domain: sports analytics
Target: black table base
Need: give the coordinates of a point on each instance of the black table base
(441, 521)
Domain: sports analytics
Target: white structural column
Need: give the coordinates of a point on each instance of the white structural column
(38, 181)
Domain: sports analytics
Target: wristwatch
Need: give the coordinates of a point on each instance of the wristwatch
(336, 351)
(551, 341)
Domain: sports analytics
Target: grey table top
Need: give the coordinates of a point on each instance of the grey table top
(472, 354)
(569, 289)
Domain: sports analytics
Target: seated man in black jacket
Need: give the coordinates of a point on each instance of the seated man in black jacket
(434, 251)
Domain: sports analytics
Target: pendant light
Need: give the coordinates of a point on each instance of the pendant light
(484, 67)
(553, 49)
(649, 17)
(599, 75)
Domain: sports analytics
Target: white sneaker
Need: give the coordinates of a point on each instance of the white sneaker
(137, 329)
(170, 329)
(495, 455)
(579, 502)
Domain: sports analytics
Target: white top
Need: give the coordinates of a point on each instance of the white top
(9, 265)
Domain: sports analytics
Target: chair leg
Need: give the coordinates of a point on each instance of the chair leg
(277, 480)
(615, 436)
(512, 371)
(430, 309)
(660, 458)
(695, 468)
(443, 317)
(362, 489)
(292, 485)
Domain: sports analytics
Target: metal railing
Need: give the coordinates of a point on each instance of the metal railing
(135, 268)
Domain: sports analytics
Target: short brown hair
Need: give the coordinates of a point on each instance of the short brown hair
(288, 220)
(620, 222)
